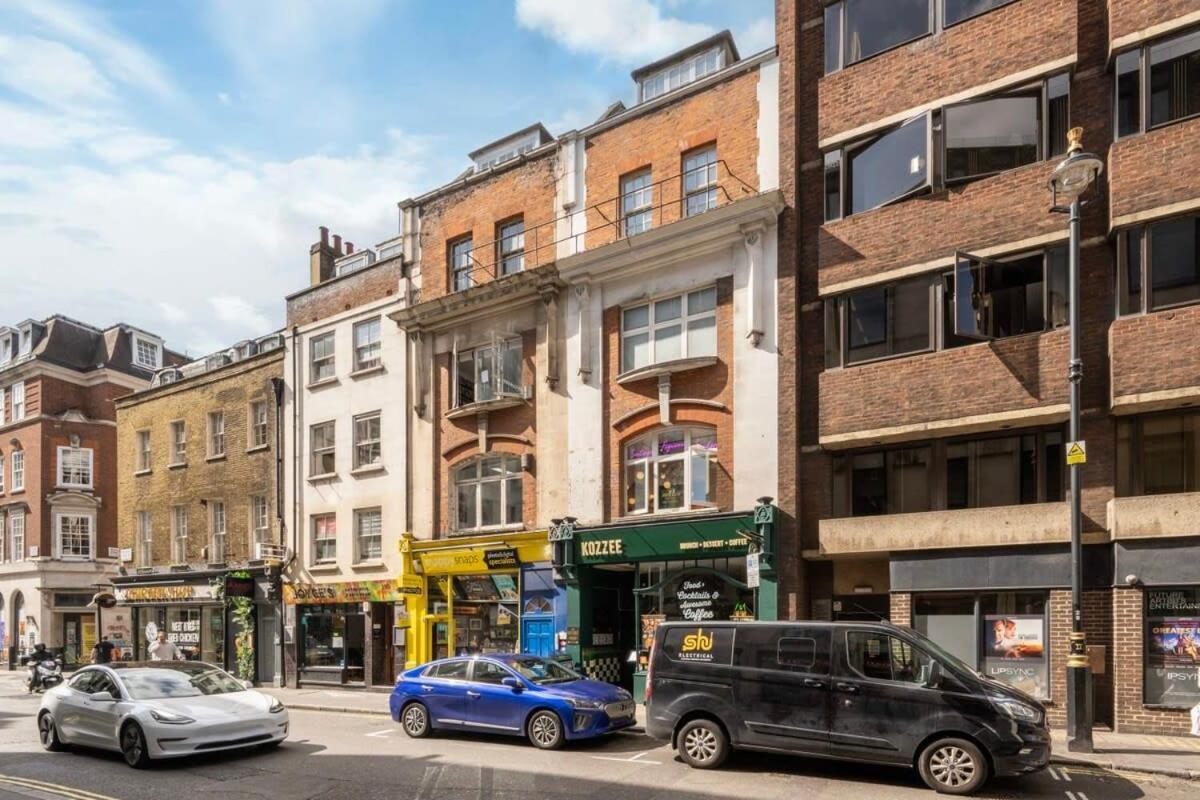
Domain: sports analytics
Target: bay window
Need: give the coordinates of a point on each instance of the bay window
(1158, 84)
(671, 470)
(1158, 265)
(487, 493)
(673, 328)
(488, 373)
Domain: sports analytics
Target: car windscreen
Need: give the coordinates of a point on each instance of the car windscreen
(541, 671)
(153, 683)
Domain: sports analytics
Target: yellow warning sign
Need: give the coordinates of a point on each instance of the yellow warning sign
(1077, 452)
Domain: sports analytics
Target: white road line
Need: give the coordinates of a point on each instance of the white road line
(1076, 796)
(1066, 775)
(384, 732)
(429, 783)
(1054, 774)
(634, 760)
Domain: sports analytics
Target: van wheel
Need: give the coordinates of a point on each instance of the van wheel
(953, 766)
(702, 744)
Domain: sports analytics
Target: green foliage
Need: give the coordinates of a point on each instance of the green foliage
(241, 610)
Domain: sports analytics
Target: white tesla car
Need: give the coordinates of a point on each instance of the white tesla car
(159, 709)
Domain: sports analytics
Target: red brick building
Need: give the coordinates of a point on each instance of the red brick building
(931, 481)
(58, 474)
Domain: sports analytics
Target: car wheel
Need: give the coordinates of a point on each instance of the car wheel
(133, 746)
(48, 733)
(703, 744)
(953, 766)
(415, 721)
(545, 731)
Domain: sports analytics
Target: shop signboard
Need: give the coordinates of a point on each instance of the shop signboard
(184, 632)
(350, 592)
(239, 587)
(1014, 651)
(1172, 658)
(501, 558)
(163, 594)
(709, 538)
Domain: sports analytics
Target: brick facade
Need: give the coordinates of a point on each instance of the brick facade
(1155, 352)
(244, 471)
(1127, 17)
(1155, 169)
(343, 293)
(1129, 630)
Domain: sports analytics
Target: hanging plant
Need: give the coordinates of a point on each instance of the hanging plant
(241, 610)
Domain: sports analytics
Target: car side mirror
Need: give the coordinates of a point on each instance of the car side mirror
(101, 697)
(513, 684)
(934, 678)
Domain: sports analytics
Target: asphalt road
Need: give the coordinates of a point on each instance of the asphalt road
(333, 755)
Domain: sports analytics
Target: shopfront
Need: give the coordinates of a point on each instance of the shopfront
(626, 579)
(482, 594)
(353, 633)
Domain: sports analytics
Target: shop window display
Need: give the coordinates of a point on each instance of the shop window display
(1172, 650)
(486, 614)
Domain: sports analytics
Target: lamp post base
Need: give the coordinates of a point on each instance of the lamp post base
(1080, 709)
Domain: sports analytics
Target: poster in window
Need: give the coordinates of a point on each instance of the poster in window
(476, 588)
(1014, 651)
(506, 586)
(1172, 674)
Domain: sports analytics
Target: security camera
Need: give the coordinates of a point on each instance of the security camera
(1131, 579)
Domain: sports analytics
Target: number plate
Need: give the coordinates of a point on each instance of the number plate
(618, 710)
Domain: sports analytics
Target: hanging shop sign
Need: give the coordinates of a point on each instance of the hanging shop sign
(708, 538)
(239, 587)
(351, 592)
(163, 594)
(1172, 658)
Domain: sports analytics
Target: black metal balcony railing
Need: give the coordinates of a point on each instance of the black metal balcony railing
(676, 197)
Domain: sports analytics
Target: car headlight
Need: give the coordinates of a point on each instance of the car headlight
(169, 717)
(276, 705)
(1022, 712)
(584, 704)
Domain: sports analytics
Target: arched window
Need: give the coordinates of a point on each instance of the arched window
(671, 470)
(487, 493)
(538, 605)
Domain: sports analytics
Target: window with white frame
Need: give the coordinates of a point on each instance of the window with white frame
(324, 536)
(260, 521)
(259, 425)
(179, 442)
(322, 445)
(368, 448)
(637, 199)
(487, 493)
(368, 533)
(487, 373)
(146, 353)
(216, 514)
(75, 467)
(16, 527)
(74, 533)
(673, 328)
(321, 358)
(26, 345)
(700, 181)
(462, 264)
(216, 434)
(671, 470)
(145, 538)
(511, 246)
(687, 71)
(18, 470)
(143, 451)
(367, 346)
(179, 534)
(6, 349)
(17, 398)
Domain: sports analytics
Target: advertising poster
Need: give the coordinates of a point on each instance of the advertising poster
(1172, 672)
(116, 625)
(1014, 651)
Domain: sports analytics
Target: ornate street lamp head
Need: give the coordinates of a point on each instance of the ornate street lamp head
(1075, 173)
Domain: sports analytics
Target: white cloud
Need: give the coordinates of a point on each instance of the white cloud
(756, 37)
(224, 98)
(172, 313)
(121, 58)
(240, 311)
(50, 72)
(620, 30)
(125, 145)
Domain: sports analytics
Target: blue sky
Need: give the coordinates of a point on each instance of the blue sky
(167, 164)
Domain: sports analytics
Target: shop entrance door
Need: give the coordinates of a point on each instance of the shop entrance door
(355, 647)
(437, 635)
(537, 636)
(381, 651)
(72, 639)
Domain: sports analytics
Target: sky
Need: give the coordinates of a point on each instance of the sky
(167, 164)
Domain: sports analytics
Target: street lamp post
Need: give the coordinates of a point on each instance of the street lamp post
(1069, 181)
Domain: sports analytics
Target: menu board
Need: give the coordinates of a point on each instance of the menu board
(1172, 668)
(1014, 651)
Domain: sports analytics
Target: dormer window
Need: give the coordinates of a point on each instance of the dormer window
(26, 341)
(675, 76)
(510, 147)
(147, 353)
(6, 349)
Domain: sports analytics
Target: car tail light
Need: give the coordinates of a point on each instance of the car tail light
(650, 672)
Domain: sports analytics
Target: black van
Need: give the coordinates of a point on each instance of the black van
(869, 692)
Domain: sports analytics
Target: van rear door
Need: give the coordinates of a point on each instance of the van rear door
(781, 686)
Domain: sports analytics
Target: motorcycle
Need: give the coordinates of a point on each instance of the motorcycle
(44, 674)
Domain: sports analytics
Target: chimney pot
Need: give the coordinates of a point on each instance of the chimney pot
(349, 247)
(324, 236)
(337, 243)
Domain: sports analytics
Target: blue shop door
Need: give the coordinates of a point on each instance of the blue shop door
(537, 636)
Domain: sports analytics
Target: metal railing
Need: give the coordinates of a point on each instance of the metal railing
(601, 223)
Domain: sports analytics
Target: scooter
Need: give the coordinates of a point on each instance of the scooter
(44, 674)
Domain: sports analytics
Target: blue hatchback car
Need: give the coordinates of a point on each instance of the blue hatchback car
(515, 695)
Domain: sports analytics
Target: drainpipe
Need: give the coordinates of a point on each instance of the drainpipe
(277, 384)
(296, 395)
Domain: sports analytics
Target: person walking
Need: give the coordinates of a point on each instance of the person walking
(102, 651)
(162, 650)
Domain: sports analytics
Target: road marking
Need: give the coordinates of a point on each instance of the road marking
(384, 732)
(1076, 796)
(428, 782)
(635, 759)
(1066, 775)
(52, 788)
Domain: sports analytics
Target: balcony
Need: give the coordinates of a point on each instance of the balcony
(1038, 523)
(1155, 360)
(1154, 516)
(1007, 383)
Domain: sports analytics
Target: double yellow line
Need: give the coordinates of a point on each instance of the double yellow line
(52, 788)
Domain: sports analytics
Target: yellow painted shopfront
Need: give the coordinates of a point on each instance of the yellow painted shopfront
(481, 594)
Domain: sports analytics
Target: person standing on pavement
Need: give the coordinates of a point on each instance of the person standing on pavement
(102, 651)
(162, 650)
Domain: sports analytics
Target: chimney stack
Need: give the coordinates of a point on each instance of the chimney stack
(320, 259)
(337, 244)
(349, 247)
